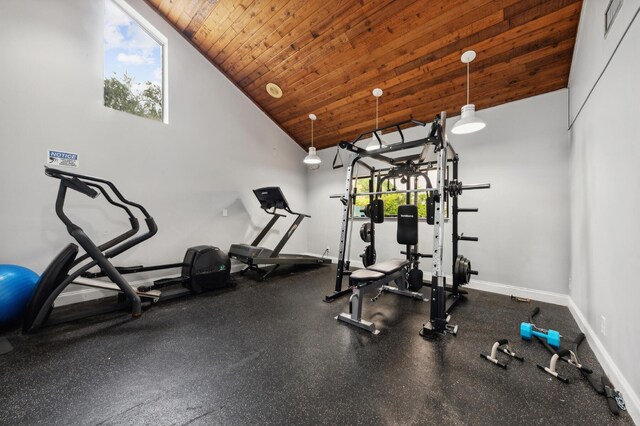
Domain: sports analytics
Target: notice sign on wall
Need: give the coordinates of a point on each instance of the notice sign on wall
(61, 158)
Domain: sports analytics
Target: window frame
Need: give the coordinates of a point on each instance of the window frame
(432, 176)
(608, 24)
(161, 39)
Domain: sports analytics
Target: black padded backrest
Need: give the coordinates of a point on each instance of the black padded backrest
(408, 224)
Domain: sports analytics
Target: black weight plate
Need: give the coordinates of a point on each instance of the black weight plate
(368, 256)
(365, 232)
(467, 271)
(415, 279)
(456, 269)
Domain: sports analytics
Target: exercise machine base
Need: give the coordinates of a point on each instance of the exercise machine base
(336, 295)
(408, 293)
(363, 324)
(430, 332)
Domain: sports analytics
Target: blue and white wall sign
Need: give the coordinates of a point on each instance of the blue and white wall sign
(61, 158)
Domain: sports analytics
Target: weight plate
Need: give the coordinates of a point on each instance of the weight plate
(365, 232)
(368, 256)
(456, 269)
(467, 271)
(462, 270)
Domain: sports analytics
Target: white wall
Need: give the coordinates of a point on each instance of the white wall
(217, 146)
(523, 222)
(605, 203)
(593, 49)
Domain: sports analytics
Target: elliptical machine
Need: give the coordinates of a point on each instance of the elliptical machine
(204, 267)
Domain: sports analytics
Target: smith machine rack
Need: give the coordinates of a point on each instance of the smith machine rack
(408, 167)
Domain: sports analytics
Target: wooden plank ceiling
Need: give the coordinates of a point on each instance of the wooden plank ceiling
(327, 55)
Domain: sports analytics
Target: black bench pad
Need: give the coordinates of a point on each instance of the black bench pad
(389, 266)
(364, 275)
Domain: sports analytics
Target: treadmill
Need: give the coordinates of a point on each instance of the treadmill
(272, 199)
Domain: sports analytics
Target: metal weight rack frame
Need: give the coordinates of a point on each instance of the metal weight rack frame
(441, 305)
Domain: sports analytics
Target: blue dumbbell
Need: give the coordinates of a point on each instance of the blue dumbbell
(528, 330)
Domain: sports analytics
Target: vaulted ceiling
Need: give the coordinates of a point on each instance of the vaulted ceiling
(328, 55)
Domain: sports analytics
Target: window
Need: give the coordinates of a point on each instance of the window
(611, 13)
(135, 63)
(392, 201)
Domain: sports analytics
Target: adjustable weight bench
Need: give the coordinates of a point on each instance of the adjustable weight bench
(382, 274)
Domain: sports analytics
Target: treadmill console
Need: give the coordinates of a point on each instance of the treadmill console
(271, 198)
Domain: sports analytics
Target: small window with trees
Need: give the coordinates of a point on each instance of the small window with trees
(393, 200)
(135, 59)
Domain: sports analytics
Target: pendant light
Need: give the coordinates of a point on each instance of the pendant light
(468, 122)
(374, 143)
(312, 157)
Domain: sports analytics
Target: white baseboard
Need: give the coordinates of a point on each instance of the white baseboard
(83, 294)
(610, 368)
(528, 293)
(78, 296)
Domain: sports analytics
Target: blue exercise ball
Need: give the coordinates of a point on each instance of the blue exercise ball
(17, 284)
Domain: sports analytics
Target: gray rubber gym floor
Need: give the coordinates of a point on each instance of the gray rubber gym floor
(272, 353)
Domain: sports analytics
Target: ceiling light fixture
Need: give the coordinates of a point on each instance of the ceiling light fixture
(375, 143)
(468, 122)
(274, 90)
(312, 157)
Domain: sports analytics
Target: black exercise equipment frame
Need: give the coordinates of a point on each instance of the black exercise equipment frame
(57, 276)
(274, 258)
(441, 305)
(358, 155)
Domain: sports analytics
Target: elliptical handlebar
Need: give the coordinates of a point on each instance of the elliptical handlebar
(82, 183)
(71, 182)
(135, 224)
(60, 174)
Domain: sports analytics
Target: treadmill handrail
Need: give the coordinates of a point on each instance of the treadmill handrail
(267, 228)
(298, 214)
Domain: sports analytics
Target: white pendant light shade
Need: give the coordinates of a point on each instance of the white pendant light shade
(312, 157)
(374, 143)
(468, 122)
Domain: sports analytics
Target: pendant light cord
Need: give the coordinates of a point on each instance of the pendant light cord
(377, 98)
(467, 83)
(377, 112)
(312, 133)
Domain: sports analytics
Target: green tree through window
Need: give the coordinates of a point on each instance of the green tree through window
(119, 94)
(392, 201)
(134, 59)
